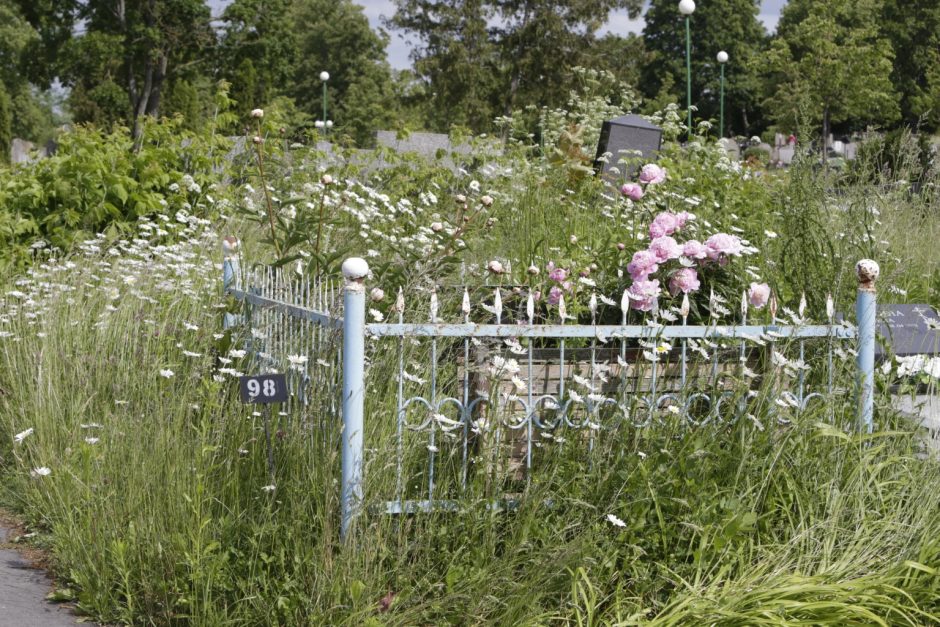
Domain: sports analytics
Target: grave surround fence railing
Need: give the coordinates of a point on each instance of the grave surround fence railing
(316, 309)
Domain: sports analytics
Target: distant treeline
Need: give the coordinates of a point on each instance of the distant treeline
(832, 65)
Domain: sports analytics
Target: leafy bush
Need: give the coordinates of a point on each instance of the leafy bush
(103, 182)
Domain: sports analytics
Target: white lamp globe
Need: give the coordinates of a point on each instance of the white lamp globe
(722, 57)
(329, 123)
(687, 7)
(324, 76)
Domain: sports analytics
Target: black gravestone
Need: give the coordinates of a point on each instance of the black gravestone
(626, 133)
(908, 330)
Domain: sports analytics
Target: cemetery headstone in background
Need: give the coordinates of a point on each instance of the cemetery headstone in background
(621, 137)
(908, 330)
(20, 150)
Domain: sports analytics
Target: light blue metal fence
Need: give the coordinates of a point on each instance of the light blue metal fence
(625, 374)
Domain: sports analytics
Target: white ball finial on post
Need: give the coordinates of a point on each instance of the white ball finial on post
(687, 7)
(355, 269)
(867, 271)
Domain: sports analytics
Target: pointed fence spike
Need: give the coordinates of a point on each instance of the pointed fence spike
(530, 307)
(434, 306)
(830, 308)
(743, 304)
(625, 302)
(465, 306)
(684, 308)
(498, 306)
(802, 308)
(400, 302)
(562, 310)
(592, 305)
(773, 307)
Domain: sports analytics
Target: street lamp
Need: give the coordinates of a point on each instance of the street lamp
(686, 8)
(722, 59)
(324, 76)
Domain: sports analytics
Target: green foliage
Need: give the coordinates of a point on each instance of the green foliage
(830, 64)
(335, 36)
(259, 50)
(96, 183)
(476, 72)
(913, 28)
(6, 122)
(729, 26)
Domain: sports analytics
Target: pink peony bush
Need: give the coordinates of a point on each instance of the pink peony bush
(678, 262)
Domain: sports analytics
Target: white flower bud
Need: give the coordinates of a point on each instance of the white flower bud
(257, 139)
(326, 179)
(495, 267)
(486, 201)
(257, 113)
(377, 294)
(533, 270)
(437, 227)
(460, 198)
(573, 239)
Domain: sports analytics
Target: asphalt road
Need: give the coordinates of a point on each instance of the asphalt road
(23, 591)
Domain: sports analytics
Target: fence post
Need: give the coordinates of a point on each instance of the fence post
(866, 309)
(354, 328)
(230, 272)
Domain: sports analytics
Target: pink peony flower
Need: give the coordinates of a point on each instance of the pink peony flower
(632, 191)
(665, 248)
(554, 295)
(644, 264)
(694, 249)
(555, 273)
(663, 224)
(683, 218)
(643, 294)
(652, 174)
(685, 281)
(722, 245)
(758, 295)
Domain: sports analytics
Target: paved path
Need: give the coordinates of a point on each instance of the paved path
(23, 591)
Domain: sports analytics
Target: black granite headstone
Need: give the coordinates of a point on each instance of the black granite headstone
(908, 330)
(619, 137)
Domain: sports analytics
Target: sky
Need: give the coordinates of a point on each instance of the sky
(619, 23)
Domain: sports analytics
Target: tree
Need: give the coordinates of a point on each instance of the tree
(456, 60)
(30, 116)
(540, 41)
(913, 27)
(133, 47)
(732, 26)
(6, 122)
(335, 36)
(484, 58)
(829, 64)
(258, 50)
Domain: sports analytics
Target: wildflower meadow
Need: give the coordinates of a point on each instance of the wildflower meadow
(162, 499)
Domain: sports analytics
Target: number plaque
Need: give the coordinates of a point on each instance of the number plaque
(263, 388)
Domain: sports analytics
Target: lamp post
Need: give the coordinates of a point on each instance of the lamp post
(325, 76)
(722, 59)
(686, 8)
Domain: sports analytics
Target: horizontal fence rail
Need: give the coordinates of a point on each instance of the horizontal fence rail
(488, 387)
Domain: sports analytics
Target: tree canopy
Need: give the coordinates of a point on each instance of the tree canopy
(831, 63)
